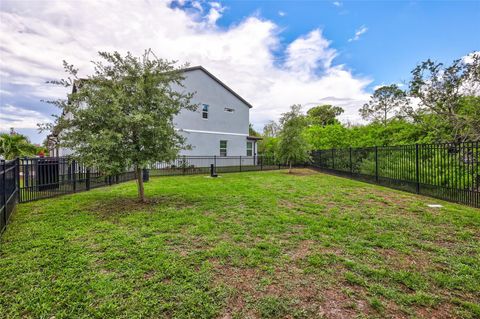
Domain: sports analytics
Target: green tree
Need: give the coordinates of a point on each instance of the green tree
(128, 119)
(293, 146)
(251, 130)
(385, 103)
(450, 93)
(324, 114)
(16, 145)
(271, 129)
(329, 136)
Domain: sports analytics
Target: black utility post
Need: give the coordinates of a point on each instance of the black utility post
(213, 172)
(417, 169)
(376, 164)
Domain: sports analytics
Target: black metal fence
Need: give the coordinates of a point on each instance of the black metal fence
(48, 177)
(445, 171)
(8, 190)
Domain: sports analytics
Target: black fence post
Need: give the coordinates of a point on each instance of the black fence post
(376, 164)
(184, 165)
(74, 176)
(17, 178)
(240, 163)
(87, 180)
(333, 158)
(261, 163)
(215, 162)
(351, 164)
(417, 170)
(4, 186)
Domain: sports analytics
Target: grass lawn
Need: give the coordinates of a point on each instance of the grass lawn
(260, 244)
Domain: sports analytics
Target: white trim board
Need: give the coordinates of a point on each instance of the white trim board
(211, 132)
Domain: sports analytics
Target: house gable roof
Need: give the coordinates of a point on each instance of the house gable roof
(78, 82)
(213, 77)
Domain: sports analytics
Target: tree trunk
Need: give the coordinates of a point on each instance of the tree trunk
(141, 190)
(289, 167)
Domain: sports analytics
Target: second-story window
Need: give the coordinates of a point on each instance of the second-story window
(205, 111)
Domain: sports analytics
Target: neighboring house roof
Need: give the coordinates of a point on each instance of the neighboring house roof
(226, 87)
(254, 138)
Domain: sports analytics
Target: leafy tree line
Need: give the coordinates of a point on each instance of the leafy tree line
(440, 105)
(13, 145)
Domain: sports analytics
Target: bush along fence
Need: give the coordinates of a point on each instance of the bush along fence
(445, 171)
(8, 190)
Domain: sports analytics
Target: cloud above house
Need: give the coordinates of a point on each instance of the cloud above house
(248, 56)
(362, 30)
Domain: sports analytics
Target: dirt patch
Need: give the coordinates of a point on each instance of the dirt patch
(336, 304)
(418, 260)
(441, 311)
(302, 250)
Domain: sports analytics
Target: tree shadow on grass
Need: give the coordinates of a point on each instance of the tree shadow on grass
(121, 205)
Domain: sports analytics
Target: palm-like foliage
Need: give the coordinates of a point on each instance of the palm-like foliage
(15, 145)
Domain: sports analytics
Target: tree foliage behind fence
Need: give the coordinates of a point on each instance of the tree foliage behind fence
(446, 171)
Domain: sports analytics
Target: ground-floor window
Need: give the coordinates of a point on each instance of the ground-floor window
(223, 148)
(249, 149)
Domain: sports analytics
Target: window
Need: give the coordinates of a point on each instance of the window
(249, 149)
(229, 110)
(223, 148)
(205, 111)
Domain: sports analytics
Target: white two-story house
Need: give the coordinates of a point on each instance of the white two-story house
(219, 126)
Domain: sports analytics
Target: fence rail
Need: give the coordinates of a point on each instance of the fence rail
(445, 171)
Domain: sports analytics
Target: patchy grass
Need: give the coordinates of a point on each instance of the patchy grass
(260, 244)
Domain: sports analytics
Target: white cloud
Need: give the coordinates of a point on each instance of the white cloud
(282, 13)
(18, 117)
(337, 3)
(248, 55)
(358, 33)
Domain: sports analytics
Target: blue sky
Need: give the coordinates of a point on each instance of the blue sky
(400, 33)
(273, 53)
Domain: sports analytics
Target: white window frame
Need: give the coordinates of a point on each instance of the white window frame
(224, 150)
(251, 148)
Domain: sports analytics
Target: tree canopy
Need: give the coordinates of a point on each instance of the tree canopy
(15, 145)
(121, 116)
(293, 147)
(324, 114)
(386, 102)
